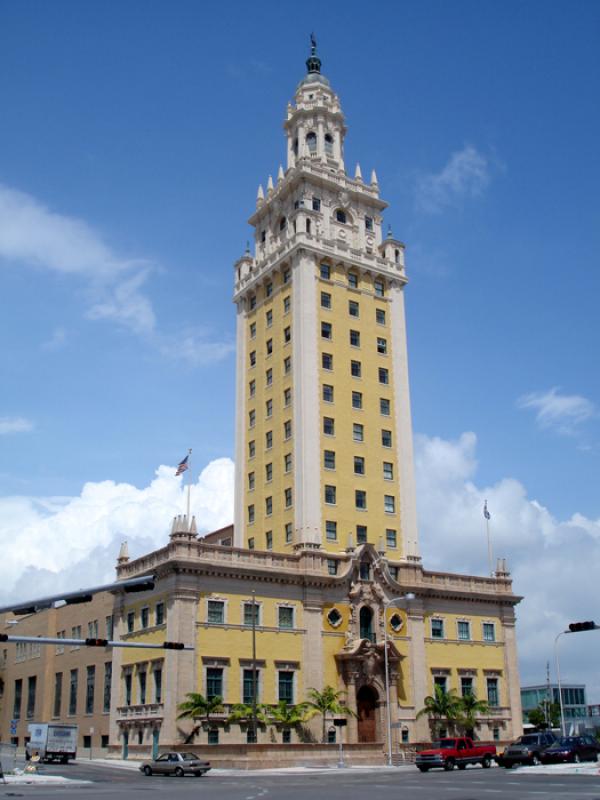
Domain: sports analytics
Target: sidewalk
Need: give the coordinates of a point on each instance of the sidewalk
(134, 765)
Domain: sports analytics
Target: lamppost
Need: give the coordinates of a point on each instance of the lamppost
(574, 627)
(254, 725)
(405, 598)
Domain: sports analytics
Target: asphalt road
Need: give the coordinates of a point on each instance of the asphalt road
(472, 784)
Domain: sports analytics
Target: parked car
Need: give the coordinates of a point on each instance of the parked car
(527, 749)
(455, 752)
(175, 764)
(571, 748)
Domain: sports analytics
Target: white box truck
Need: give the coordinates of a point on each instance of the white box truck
(52, 741)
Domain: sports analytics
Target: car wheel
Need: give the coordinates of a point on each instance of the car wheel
(147, 770)
(178, 772)
(423, 769)
(198, 774)
(508, 765)
(462, 766)
(449, 765)
(486, 762)
(535, 760)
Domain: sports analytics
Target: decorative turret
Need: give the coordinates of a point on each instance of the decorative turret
(123, 556)
(182, 530)
(313, 62)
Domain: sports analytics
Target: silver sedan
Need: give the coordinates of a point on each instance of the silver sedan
(175, 764)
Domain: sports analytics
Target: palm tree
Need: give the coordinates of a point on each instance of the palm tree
(441, 706)
(199, 707)
(470, 706)
(327, 702)
(242, 712)
(286, 715)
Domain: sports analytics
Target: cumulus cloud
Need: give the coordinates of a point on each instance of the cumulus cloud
(194, 347)
(466, 175)
(563, 413)
(15, 425)
(53, 543)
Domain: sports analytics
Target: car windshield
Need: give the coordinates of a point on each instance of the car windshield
(189, 756)
(444, 744)
(527, 740)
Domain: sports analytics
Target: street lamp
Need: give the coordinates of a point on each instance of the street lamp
(574, 627)
(387, 603)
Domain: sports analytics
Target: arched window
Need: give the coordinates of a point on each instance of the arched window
(282, 223)
(311, 141)
(397, 256)
(340, 216)
(366, 624)
(329, 144)
(308, 226)
(295, 147)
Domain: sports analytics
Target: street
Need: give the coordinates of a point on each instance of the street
(383, 784)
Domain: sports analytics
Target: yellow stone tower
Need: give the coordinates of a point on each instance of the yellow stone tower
(324, 440)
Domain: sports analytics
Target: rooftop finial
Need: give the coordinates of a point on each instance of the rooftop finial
(313, 62)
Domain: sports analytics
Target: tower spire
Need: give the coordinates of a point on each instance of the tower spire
(313, 62)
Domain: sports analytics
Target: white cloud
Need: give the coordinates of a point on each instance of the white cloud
(56, 341)
(15, 425)
(466, 175)
(194, 347)
(125, 304)
(563, 413)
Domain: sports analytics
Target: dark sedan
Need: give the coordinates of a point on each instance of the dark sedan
(175, 764)
(571, 748)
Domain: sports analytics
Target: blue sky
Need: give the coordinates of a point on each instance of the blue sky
(132, 140)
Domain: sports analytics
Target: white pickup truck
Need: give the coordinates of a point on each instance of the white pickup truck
(52, 741)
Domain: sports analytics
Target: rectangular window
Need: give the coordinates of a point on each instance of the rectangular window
(326, 330)
(93, 629)
(252, 388)
(332, 566)
(251, 481)
(464, 631)
(466, 686)
(328, 426)
(269, 440)
(286, 305)
(268, 506)
(31, 687)
(251, 418)
(90, 686)
(329, 459)
(252, 302)
(389, 504)
(327, 361)
(130, 621)
(327, 393)
(60, 648)
(159, 614)
(269, 472)
(379, 288)
(269, 318)
(269, 408)
(359, 465)
(269, 540)
(441, 681)
(287, 397)
(384, 376)
(75, 634)
(492, 692)
(325, 300)
(286, 736)
(73, 692)
(364, 572)
(489, 632)
(251, 610)
(286, 686)
(361, 534)
(287, 429)
(288, 498)
(384, 407)
(251, 449)
(391, 539)
(353, 308)
(437, 628)
(380, 316)
(269, 347)
(269, 377)
(355, 369)
(288, 533)
(357, 400)
(268, 289)
(251, 543)
(287, 335)
(354, 339)
(287, 462)
(316, 204)
(393, 572)
(251, 514)
(386, 438)
(360, 499)
(157, 685)
(331, 530)
(107, 687)
(388, 471)
(144, 617)
(368, 223)
(253, 330)
(213, 736)
(325, 272)
(287, 365)
(18, 698)
(214, 682)
(248, 686)
(253, 358)
(286, 276)
(330, 495)
(215, 612)
(353, 280)
(58, 677)
(286, 617)
(381, 345)
(358, 432)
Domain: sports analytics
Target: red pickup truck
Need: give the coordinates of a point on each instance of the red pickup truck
(457, 752)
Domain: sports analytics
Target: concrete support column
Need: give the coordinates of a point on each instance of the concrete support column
(418, 666)
(511, 676)
(352, 727)
(114, 731)
(240, 430)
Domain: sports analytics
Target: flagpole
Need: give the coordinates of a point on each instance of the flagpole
(189, 519)
(489, 539)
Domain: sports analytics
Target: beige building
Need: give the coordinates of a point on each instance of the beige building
(316, 572)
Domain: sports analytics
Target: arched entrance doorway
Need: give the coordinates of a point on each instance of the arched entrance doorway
(366, 707)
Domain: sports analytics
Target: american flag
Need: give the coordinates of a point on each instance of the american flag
(486, 513)
(182, 466)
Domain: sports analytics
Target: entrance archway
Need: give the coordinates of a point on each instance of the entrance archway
(366, 707)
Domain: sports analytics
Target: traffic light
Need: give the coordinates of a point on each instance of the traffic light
(173, 645)
(143, 586)
(575, 627)
(96, 642)
(3, 637)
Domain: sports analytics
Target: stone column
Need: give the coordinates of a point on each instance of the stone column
(418, 665)
(352, 727)
(114, 730)
(511, 676)
(240, 431)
